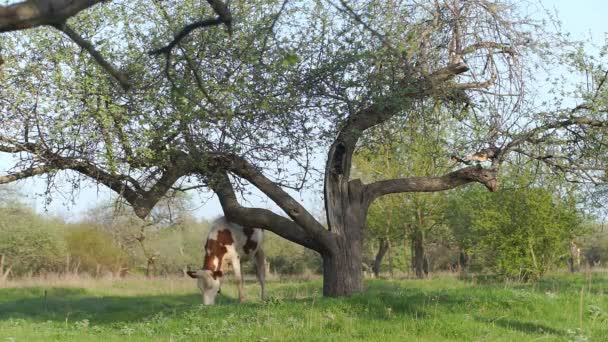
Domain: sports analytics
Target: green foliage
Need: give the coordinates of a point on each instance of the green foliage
(416, 148)
(518, 233)
(285, 257)
(179, 246)
(30, 244)
(92, 249)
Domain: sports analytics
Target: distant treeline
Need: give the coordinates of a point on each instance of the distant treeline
(516, 234)
(110, 240)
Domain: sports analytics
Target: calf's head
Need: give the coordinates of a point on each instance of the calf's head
(208, 282)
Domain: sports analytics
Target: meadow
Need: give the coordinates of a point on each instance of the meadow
(561, 307)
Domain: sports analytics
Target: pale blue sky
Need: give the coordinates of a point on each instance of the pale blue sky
(583, 18)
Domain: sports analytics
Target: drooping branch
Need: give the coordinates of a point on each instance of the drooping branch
(184, 32)
(142, 200)
(528, 136)
(240, 167)
(85, 44)
(30, 172)
(257, 217)
(34, 13)
(552, 160)
(451, 180)
(223, 17)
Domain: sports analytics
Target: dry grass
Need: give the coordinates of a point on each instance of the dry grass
(130, 285)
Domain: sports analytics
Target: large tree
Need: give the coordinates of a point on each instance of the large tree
(131, 95)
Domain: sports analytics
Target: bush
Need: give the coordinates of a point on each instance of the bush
(285, 257)
(518, 234)
(93, 251)
(30, 244)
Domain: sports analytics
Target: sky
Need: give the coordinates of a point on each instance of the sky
(582, 18)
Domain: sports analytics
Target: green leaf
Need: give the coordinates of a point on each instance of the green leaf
(290, 59)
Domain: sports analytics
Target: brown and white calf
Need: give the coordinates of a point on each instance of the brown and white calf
(230, 243)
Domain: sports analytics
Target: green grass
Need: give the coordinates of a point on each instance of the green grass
(558, 308)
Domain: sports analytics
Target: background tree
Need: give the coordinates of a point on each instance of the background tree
(28, 243)
(94, 252)
(247, 106)
(518, 233)
(416, 146)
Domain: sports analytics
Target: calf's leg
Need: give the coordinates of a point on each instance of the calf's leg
(260, 270)
(238, 276)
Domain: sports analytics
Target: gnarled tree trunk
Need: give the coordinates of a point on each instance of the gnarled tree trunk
(346, 213)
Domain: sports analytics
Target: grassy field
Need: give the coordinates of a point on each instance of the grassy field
(559, 308)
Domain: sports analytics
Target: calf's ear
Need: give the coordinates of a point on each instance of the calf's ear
(217, 274)
(192, 274)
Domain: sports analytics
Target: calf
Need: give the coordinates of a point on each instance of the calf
(229, 242)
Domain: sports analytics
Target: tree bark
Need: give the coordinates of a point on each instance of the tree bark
(346, 209)
(575, 257)
(419, 263)
(382, 249)
(29, 13)
(343, 268)
(463, 261)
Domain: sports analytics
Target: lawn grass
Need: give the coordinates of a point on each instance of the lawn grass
(559, 308)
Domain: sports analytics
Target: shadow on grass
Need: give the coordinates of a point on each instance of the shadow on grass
(61, 304)
(382, 300)
(525, 327)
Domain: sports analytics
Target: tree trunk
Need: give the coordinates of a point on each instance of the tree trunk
(346, 213)
(463, 261)
(391, 268)
(382, 249)
(419, 262)
(4, 273)
(151, 267)
(342, 269)
(575, 257)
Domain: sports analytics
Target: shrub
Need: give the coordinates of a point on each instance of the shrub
(30, 244)
(93, 251)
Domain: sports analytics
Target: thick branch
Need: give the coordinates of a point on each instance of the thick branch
(259, 218)
(83, 43)
(339, 159)
(34, 171)
(288, 204)
(33, 13)
(451, 180)
(224, 17)
(140, 199)
(379, 112)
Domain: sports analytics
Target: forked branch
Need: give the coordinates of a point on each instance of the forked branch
(260, 218)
